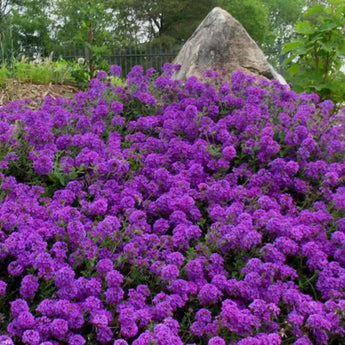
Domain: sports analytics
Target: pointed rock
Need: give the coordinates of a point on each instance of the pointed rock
(222, 43)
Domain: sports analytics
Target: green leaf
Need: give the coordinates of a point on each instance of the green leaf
(305, 28)
(330, 25)
(288, 60)
(294, 69)
(327, 46)
(340, 51)
(290, 46)
(336, 2)
(314, 10)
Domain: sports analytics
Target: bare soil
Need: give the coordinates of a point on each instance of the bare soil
(14, 91)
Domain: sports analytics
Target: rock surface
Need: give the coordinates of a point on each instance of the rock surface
(222, 43)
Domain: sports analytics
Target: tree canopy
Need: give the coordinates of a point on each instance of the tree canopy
(166, 21)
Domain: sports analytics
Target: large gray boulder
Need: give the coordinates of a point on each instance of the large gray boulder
(221, 42)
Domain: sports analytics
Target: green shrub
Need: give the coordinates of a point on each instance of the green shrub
(316, 55)
(5, 74)
(56, 72)
(33, 73)
(116, 81)
(62, 72)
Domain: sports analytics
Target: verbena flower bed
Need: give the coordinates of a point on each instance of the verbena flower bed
(173, 213)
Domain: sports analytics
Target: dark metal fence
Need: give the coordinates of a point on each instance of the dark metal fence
(148, 55)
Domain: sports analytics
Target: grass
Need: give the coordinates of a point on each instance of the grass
(46, 71)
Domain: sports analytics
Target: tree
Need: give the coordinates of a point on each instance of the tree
(31, 23)
(166, 21)
(252, 14)
(24, 24)
(283, 14)
(81, 21)
(84, 24)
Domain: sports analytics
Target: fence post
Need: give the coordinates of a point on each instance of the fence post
(151, 60)
(280, 57)
(86, 53)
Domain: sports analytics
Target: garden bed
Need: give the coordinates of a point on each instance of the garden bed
(15, 90)
(168, 212)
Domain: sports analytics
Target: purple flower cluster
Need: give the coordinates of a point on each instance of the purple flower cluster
(176, 213)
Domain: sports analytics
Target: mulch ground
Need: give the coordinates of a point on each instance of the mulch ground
(14, 91)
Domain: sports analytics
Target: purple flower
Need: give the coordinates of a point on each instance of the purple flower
(114, 278)
(216, 341)
(101, 75)
(43, 165)
(204, 315)
(64, 277)
(114, 295)
(15, 268)
(209, 294)
(19, 306)
(129, 329)
(76, 231)
(6, 340)
(120, 342)
(229, 152)
(25, 320)
(99, 207)
(115, 70)
(76, 339)
(215, 192)
(116, 107)
(104, 334)
(59, 328)
(104, 266)
(161, 226)
(3, 286)
(31, 337)
(303, 341)
(175, 258)
(169, 272)
(29, 286)
(99, 319)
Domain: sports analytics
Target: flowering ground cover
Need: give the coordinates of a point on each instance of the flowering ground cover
(173, 213)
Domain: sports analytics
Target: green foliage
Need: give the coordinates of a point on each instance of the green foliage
(62, 72)
(316, 54)
(24, 28)
(44, 72)
(4, 75)
(32, 73)
(283, 14)
(81, 75)
(268, 22)
(116, 81)
(174, 20)
(86, 24)
(252, 14)
(48, 71)
(82, 21)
